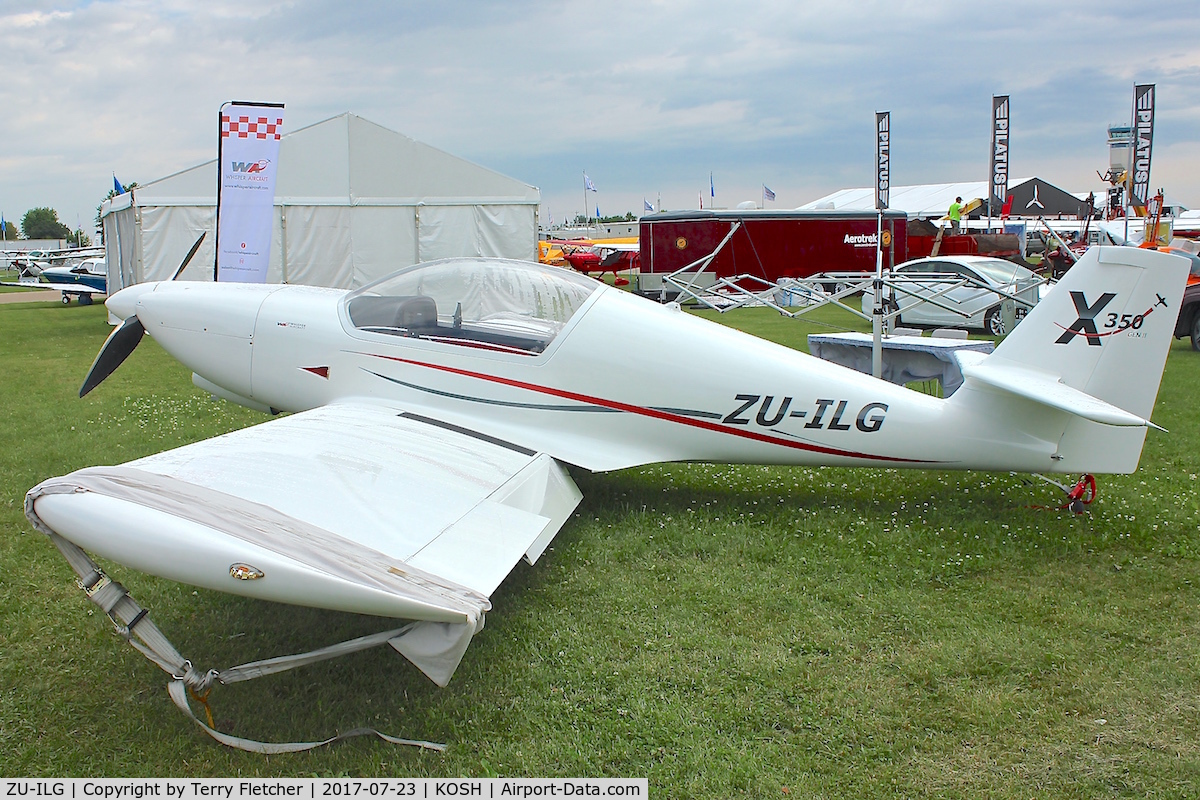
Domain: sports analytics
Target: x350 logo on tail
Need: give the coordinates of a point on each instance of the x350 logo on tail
(1085, 324)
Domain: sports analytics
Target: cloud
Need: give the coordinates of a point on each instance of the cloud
(31, 19)
(648, 96)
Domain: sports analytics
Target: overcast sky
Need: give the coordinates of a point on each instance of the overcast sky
(648, 97)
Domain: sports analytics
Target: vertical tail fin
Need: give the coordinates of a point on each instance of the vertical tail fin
(1095, 347)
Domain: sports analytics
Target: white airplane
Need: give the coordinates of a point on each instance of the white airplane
(435, 412)
(30, 263)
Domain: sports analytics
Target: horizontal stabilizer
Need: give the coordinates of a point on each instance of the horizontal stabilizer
(1049, 390)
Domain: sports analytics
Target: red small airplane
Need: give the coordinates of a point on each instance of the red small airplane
(589, 256)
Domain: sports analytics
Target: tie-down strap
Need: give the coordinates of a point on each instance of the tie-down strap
(133, 624)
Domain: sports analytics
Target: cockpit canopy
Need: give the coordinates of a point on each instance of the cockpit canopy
(492, 304)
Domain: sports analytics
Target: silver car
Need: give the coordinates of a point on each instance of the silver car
(957, 292)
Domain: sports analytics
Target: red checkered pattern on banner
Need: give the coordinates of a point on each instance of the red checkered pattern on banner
(244, 127)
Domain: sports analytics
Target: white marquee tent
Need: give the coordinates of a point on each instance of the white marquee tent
(924, 201)
(1033, 197)
(354, 201)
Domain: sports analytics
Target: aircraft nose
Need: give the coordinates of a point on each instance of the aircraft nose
(123, 304)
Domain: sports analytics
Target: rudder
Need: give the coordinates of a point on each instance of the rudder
(1104, 331)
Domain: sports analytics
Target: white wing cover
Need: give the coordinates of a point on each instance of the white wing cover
(352, 507)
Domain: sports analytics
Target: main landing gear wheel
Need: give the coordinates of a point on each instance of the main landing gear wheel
(66, 299)
(993, 323)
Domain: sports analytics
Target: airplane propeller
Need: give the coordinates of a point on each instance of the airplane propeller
(188, 258)
(125, 338)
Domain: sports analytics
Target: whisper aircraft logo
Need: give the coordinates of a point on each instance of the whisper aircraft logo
(250, 166)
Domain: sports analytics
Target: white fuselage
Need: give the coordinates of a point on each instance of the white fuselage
(691, 390)
(440, 400)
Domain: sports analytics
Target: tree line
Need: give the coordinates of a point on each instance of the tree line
(43, 223)
(580, 219)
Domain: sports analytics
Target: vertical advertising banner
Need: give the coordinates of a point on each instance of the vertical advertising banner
(247, 155)
(883, 167)
(999, 169)
(1143, 142)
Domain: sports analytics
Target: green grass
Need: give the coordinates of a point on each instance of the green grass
(11, 276)
(723, 631)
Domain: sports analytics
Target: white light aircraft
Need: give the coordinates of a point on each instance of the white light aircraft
(30, 263)
(434, 412)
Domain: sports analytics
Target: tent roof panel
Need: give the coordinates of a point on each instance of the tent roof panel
(347, 160)
(384, 163)
(920, 200)
(314, 161)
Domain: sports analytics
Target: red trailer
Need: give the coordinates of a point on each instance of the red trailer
(766, 244)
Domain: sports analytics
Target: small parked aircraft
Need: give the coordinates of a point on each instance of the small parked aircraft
(85, 279)
(435, 411)
(594, 255)
(30, 263)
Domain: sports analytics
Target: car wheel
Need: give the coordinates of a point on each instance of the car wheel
(993, 323)
(1196, 329)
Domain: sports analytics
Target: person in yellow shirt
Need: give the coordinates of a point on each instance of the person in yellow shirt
(955, 215)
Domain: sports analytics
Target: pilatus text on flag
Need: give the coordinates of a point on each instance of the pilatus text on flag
(1143, 142)
(1000, 148)
(883, 173)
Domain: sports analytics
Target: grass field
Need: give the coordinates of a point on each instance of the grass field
(11, 276)
(723, 631)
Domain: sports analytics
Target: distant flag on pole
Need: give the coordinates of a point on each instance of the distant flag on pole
(117, 187)
(588, 186)
(712, 190)
(597, 211)
(3, 227)
(649, 208)
(767, 193)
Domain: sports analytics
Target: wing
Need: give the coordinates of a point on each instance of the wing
(73, 288)
(357, 508)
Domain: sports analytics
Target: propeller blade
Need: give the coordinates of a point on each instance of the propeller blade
(124, 339)
(188, 258)
(117, 347)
